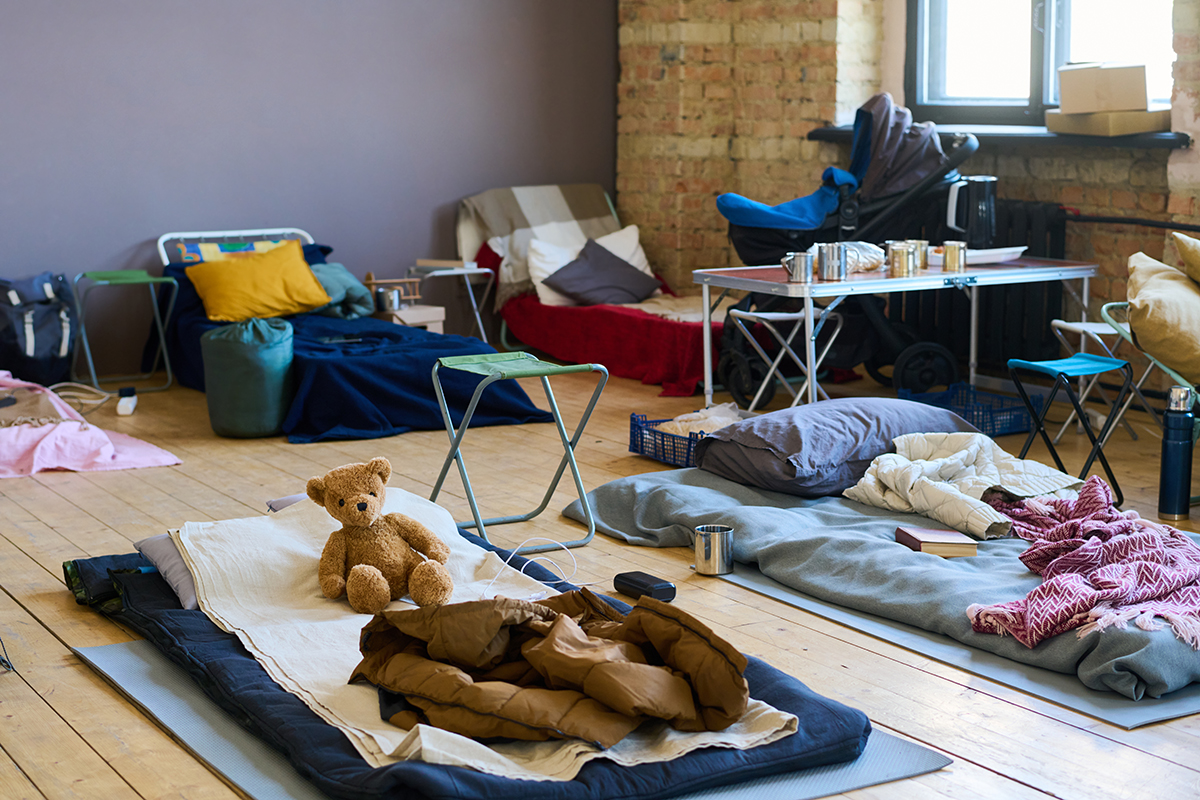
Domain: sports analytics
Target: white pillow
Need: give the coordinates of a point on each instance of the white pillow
(545, 259)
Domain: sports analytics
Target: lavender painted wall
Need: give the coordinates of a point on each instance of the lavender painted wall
(362, 121)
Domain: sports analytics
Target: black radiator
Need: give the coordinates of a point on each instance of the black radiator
(1014, 321)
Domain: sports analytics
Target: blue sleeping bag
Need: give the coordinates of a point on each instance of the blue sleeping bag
(357, 378)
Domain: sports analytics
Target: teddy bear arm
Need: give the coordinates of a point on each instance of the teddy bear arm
(331, 572)
(420, 538)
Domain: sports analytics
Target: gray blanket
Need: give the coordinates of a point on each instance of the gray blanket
(844, 552)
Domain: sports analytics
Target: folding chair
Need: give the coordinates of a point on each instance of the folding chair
(768, 320)
(1063, 370)
(1095, 332)
(128, 277)
(499, 366)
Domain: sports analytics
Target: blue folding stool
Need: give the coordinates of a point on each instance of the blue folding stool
(499, 366)
(1080, 365)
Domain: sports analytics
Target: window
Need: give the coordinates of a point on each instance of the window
(996, 61)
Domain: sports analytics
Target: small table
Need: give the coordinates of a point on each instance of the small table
(773, 280)
(417, 316)
(436, 268)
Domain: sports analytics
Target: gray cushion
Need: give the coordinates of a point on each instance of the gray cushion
(821, 448)
(161, 551)
(599, 276)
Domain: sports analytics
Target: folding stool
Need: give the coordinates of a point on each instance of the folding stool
(499, 366)
(128, 277)
(768, 319)
(1080, 365)
(1095, 333)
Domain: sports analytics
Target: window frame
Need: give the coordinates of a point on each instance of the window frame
(1052, 15)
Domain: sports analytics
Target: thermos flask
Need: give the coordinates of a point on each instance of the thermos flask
(1175, 477)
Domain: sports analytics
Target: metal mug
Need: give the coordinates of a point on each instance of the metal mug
(831, 261)
(799, 267)
(954, 256)
(901, 259)
(920, 249)
(714, 550)
(387, 300)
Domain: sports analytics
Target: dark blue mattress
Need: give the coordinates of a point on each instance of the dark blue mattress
(829, 732)
(357, 379)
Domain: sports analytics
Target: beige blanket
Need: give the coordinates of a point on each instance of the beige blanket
(257, 578)
(682, 309)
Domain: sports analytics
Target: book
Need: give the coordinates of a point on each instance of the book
(947, 544)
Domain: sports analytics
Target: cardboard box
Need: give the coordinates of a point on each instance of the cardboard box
(1095, 87)
(1110, 123)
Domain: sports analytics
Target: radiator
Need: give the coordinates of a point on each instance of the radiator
(1014, 321)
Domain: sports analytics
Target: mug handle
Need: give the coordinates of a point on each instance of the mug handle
(952, 206)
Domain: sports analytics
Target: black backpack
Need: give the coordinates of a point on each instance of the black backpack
(38, 323)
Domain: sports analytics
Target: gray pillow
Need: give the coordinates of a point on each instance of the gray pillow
(599, 276)
(821, 448)
(161, 551)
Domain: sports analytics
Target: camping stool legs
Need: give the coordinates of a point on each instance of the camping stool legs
(767, 320)
(1063, 370)
(128, 277)
(1095, 332)
(500, 366)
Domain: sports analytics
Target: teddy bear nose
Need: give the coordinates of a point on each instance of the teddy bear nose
(362, 506)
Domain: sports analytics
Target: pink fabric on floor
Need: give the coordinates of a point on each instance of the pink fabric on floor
(73, 444)
(1102, 567)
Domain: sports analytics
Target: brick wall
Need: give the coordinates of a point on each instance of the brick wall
(719, 97)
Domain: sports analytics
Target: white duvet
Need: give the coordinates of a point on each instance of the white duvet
(946, 475)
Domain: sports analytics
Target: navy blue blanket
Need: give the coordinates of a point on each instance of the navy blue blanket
(357, 379)
(829, 732)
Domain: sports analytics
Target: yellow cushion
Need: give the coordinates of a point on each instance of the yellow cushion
(272, 284)
(1164, 313)
(1189, 250)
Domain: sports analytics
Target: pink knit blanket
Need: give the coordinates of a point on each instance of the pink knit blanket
(1101, 567)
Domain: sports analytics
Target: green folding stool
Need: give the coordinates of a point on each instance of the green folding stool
(497, 367)
(128, 277)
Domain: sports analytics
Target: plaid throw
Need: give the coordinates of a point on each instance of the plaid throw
(507, 219)
(1102, 568)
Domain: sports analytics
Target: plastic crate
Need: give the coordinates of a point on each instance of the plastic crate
(993, 414)
(670, 448)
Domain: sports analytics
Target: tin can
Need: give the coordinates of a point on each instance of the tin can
(831, 261)
(799, 267)
(920, 248)
(714, 549)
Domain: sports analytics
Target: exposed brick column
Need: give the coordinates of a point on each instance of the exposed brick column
(1183, 167)
(719, 97)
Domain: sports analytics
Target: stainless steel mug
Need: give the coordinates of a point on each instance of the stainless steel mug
(920, 249)
(714, 550)
(799, 267)
(901, 260)
(831, 261)
(954, 256)
(971, 210)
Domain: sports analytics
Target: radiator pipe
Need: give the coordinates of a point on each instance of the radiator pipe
(1073, 215)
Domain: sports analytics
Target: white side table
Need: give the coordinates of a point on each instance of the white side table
(467, 270)
(431, 318)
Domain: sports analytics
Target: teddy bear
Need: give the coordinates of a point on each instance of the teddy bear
(374, 559)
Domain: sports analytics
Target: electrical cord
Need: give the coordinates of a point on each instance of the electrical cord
(83, 398)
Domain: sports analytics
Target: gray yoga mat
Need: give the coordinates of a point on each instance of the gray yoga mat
(1056, 687)
(165, 692)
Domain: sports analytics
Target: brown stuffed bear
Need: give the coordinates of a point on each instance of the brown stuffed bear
(375, 559)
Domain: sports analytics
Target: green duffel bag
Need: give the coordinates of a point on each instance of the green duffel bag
(248, 377)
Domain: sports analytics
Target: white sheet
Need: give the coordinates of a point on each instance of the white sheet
(257, 578)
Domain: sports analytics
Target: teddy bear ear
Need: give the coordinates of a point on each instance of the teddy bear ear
(316, 490)
(381, 467)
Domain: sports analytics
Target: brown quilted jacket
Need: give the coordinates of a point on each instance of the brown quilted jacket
(569, 666)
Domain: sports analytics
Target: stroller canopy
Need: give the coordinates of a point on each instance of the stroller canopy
(889, 154)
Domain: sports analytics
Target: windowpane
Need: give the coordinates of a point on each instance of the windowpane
(987, 49)
(1128, 33)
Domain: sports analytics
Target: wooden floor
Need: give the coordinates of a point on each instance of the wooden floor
(66, 733)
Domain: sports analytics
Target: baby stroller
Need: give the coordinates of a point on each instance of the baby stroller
(895, 188)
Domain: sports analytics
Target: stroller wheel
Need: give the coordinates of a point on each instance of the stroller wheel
(881, 359)
(742, 377)
(924, 365)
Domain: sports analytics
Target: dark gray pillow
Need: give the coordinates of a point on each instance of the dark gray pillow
(599, 276)
(821, 448)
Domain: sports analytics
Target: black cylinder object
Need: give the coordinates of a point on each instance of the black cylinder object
(1175, 477)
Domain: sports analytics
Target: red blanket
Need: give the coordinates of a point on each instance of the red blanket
(1102, 567)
